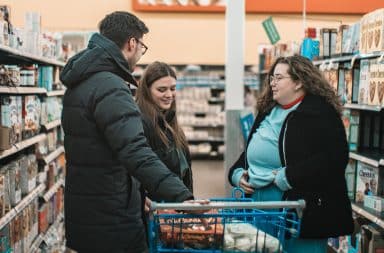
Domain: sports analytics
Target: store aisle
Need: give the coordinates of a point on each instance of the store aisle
(208, 178)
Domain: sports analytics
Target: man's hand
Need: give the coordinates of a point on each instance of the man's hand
(244, 183)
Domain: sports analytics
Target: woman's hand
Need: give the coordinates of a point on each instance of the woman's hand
(147, 205)
(243, 184)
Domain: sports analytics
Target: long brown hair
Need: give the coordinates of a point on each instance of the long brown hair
(148, 107)
(300, 70)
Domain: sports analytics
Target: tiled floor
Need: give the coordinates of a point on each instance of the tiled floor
(208, 178)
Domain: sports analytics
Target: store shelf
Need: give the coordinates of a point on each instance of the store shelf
(211, 140)
(216, 100)
(21, 90)
(8, 52)
(203, 125)
(42, 237)
(48, 195)
(348, 58)
(23, 203)
(52, 156)
(36, 243)
(176, 8)
(55, 93)
(372, 158)
(374, 216)
(52, 124)
(22, 145)
(198, 156)
(375, 108)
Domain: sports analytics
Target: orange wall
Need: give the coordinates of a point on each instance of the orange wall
(176, 38)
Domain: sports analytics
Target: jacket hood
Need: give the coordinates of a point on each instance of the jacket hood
(101, 54)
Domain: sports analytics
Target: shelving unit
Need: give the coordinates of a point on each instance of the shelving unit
(22, 145)
(11, 56)
(30, 90)
(17, 209)
(376, 217)
(48, 195)
(52, 156)
(42, 237)
(369, 156)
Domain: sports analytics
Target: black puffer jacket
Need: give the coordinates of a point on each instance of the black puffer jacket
(313, 147)
(168, 155)
(107, 154)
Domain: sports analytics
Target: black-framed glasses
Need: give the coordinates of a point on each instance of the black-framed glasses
(144, 47)
(276, 78)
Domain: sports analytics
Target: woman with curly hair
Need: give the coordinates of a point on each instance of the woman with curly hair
(297, 149)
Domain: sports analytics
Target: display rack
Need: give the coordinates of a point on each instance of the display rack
(19, 207)
(11, 56)
(372, 158)
(22, 145)
(53, 155)
(14, 55)
(48, 195)
(43, 236)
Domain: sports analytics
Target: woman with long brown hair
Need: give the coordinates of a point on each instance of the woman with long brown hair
(156, 98)
(297, 149)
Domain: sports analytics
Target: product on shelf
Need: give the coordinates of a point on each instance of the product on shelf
(350, 176)
(364, 81)
(369, 181)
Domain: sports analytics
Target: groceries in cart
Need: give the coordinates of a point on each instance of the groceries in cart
(244, 237)
(228, 226)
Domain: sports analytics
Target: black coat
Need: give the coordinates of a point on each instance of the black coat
(107, 154)
(168, 155)
(316, 155)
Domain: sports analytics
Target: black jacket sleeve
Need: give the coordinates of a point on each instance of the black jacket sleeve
(327, 154)
(118, 117)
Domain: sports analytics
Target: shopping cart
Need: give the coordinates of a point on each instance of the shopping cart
(229, 225)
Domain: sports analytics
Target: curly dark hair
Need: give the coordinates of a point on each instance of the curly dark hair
(301, 70)
(120, 26)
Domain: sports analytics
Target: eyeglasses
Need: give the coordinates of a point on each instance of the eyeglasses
(276, 78)
(144, 48)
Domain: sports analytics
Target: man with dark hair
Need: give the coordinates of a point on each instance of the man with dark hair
(108, 158)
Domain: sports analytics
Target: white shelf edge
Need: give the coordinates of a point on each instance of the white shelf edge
(367, 215)
(202, 125)
(53, 155)
(52, 124)
(22, 145)
(19, 207)
(55, 93)
(375, 108)
(364, 159)
(48, 195)
(207, 140)
(22, 90)
(31, 56)
(36, 243)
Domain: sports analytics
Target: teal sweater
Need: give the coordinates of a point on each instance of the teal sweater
(263, 153)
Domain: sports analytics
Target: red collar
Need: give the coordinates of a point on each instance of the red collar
(293, 103)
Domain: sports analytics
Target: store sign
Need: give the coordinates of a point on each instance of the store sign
(271, 30)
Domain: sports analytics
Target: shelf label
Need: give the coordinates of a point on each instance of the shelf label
(271, 30)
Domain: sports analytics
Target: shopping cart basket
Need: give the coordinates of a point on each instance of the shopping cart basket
(229, 225)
